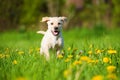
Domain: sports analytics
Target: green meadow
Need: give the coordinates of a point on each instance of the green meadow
(88, 54)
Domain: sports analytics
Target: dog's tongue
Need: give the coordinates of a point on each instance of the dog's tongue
(55, 33)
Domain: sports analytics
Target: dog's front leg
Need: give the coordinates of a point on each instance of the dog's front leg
(45, 52)
(47, 55)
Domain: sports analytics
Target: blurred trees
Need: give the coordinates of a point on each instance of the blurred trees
(116, 11)
(14, 13)
(9, 13)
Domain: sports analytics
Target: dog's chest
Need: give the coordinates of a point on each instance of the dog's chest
(55, 42)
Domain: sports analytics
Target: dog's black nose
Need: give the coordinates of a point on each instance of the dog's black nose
(56, 28)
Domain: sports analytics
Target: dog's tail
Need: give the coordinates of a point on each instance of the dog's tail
(41, 32)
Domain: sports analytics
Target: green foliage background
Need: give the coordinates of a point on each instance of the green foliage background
(15, 13)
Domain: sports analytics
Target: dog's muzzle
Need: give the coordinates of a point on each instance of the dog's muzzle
(56, 31)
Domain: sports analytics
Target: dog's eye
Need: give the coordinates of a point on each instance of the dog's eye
(59, 23)
(51, 23)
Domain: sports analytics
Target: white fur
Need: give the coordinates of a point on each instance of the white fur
(52, 37)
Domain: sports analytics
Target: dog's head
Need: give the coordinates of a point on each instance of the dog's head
(54, 24)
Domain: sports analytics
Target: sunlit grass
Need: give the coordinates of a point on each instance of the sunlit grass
(84, 57)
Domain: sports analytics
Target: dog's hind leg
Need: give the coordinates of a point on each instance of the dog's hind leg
(58, 51)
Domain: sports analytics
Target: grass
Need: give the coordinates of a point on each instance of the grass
(88, 55)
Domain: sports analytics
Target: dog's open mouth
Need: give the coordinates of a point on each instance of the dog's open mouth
(55, 33)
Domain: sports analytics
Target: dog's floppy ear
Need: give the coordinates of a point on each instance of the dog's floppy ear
(45, 19)
(64, 19)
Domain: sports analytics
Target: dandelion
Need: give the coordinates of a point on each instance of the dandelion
(112, 76)
(111, 69)
(70, 56)
(7, 55)
(60, 56)
(21, 78)
(91, 45)
(20, 52)
(75, 49)
(2, 55)
(37, 49)
(77, 62)
(69, 48)
(7, 50)
(106, 59)
(111, 51)
(98, 51)
(93, 61)
(67, 60)
(98, 77)
(77, 56)
(14, 62)
(84, 58)
(67, 73)
(90, 61)
(90, 52)
(30, 51)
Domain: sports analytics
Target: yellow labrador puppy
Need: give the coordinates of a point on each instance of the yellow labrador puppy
(53, 36)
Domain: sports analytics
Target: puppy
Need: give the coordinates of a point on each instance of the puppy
(53, 36)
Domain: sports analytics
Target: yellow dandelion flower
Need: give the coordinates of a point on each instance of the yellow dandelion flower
(20, 52)
(111, 69)
(67, 73)
(98, 51)
(93, 61)
(70, 56)
(67, 60)
(14, 62)
(37, 49)
(30, 51)
(110, 61)
(106, 59)
(96, 61)
(112, 76)
(84, 58)
(98, 77)
(60, 56)
(7, 55)
(77, 56)
(75, 49)
(2, 55)
(77, 62)
(7, 50)
(111, 51)
(69, 48)
(91, 45)
(90, 61)
(21, 78)
(90, 52)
